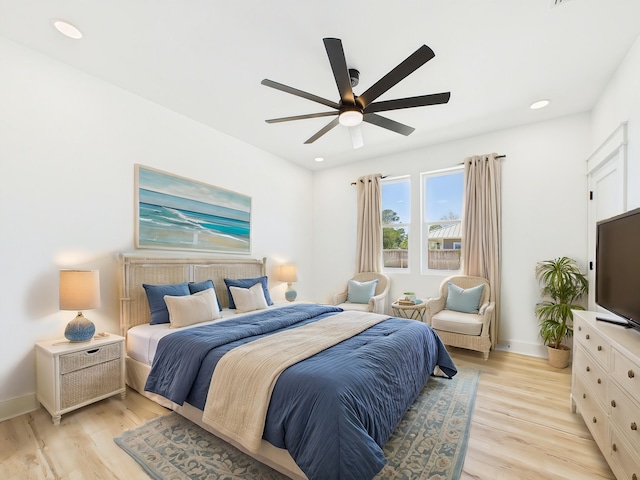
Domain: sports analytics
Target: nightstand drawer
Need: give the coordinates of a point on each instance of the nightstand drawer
(89, 383)
(92, 356)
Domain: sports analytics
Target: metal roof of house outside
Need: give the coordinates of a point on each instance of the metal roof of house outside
(446, 232)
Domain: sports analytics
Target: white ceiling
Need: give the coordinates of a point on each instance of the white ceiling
(205, 59)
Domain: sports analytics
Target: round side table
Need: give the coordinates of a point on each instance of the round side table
(411, 312)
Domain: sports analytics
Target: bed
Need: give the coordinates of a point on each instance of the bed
(312, 398)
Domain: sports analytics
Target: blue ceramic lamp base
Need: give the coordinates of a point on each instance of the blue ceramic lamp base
(290, 294)
(80, 329)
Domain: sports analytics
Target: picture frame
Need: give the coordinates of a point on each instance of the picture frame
(177, 213)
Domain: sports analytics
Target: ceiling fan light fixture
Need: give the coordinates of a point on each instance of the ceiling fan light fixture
(350, 118)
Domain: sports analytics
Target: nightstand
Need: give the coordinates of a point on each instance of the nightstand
(72, 375)
(410, 312)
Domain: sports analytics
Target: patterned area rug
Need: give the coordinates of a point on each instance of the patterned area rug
(429, 443)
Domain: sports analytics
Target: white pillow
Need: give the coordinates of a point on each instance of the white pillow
(248, 299)
(190, 309)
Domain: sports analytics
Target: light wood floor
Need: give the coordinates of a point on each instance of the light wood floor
(521, 429)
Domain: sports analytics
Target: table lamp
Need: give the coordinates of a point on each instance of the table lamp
(289, 274)
(79, 290)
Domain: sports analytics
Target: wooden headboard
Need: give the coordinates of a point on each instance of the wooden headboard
(136, 269)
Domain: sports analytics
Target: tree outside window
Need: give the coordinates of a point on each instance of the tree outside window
(396, 217)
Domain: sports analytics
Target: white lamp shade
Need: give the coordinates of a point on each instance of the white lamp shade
(79, 289)
(288, 273)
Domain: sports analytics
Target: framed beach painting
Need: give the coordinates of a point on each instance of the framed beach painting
(173, 212)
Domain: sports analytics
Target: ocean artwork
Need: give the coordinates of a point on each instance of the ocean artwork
(178, 213)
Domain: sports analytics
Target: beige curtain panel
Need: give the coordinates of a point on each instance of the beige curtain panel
(369, 239)
(481, 225)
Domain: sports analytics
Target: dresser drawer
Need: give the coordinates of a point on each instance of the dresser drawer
(592, 374)
(626, 372)
(92, 356)
(592, 412)
(625, 415)
(593, 342)
(625, 459)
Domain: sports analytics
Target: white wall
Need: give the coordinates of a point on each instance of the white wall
(68, 145)
(544, 200)
(620, 102)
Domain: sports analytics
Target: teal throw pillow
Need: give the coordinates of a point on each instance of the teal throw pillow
(465, 301)
(360, 292)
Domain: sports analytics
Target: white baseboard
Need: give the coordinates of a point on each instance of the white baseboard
(523, 348)
(14, 407)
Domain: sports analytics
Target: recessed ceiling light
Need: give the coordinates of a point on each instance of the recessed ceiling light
(319, 159)
(66, 29)
(539, 104)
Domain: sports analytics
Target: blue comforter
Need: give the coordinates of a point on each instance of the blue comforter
(334, 411)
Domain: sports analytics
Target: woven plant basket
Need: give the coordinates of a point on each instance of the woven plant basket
(559, 357)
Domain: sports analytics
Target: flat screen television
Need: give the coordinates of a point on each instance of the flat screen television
(618, 266)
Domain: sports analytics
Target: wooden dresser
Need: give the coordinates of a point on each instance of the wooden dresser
(606, 390)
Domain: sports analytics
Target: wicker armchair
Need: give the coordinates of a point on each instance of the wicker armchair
(377, 303)
(464, 330)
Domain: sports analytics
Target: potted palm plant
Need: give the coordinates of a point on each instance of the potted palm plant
(562, 287)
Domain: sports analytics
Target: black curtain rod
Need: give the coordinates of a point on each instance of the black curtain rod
(381, 176)
(497, 156)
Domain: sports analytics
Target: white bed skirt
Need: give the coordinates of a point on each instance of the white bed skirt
(277, 458)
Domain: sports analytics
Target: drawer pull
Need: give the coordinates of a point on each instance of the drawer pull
(613, 403)
(614, 447)
(588, 368)
(580, 329)
(634, 427)
(599, 348)
(599, 381)
(631, 374)
(584, 395)
(595, 420)
(634, 477)
(587, 336)
(93, 352)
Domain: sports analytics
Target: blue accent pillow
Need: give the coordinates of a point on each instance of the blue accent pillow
(361, 292)
(247, 283)
(155, 297)
(465, 301)
(195, 287)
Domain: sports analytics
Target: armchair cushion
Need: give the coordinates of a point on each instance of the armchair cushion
(457, 322)
(464, 301)
(360, 292)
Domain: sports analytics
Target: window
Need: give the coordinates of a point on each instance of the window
(442, 242)
(396, 218)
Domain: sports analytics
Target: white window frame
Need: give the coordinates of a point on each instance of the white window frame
(424, 226)
(405, 225)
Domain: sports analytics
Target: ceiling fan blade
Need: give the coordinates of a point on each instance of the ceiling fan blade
(414, 61)
(299, 93)
(340, 69)
(301, 117)
(322, 131)
(388, 124)
(409, 102)
(356, 136)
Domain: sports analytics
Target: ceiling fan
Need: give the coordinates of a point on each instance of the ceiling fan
(353, 109)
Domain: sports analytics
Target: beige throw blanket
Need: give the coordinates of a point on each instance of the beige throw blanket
(244, 378)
